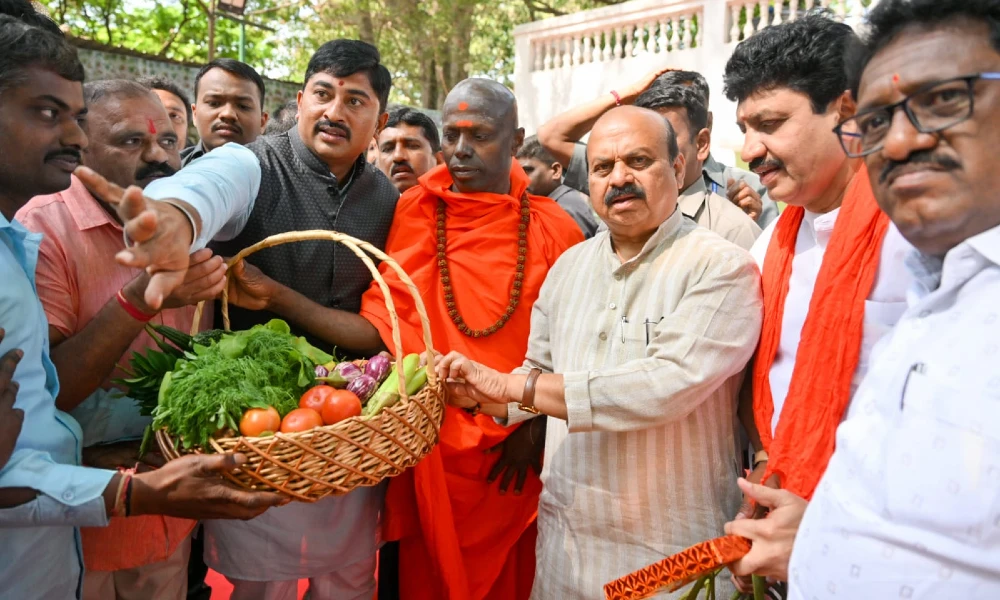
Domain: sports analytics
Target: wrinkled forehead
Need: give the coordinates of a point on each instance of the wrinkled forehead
(402, 132)
(919, 56)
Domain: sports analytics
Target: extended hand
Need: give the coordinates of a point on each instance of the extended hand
(10, 418)
(249, 288)
(204, 280)
(470, 383)
(522, 450)
(772, 536)
(192, 487)
(741, 194)
(161, 233)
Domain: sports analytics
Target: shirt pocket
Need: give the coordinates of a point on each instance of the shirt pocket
(943, 461)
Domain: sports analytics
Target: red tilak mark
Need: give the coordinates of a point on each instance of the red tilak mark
(463, 123)
(895, 81)
(463, 106)
(340, 83)
(152, 127)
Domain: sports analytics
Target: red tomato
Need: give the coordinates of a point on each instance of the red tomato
(256, 421)
(317, 397)
(301, 419)
(341, 405)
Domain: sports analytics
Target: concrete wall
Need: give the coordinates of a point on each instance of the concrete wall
(102, 62)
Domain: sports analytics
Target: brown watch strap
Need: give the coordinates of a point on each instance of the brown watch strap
(528, 397)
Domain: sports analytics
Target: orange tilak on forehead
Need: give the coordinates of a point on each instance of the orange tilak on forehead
(895, 81)
(463, 123)
(463, 106)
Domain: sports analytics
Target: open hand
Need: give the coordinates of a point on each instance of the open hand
(470, 383)
(204, 280)
(160, 232)
(772, 536)
(192, 487)
(522, 450)
(10, 418)
(743, 195)
(249, 288)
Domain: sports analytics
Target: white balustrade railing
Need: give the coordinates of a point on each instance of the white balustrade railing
(747, 17)
(613, 33)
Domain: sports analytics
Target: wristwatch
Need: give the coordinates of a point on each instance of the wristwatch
(527, 403)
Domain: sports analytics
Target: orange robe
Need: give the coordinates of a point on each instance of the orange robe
(459, 538)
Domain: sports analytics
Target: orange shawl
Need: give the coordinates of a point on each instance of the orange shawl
(830, 343)
(451, 524)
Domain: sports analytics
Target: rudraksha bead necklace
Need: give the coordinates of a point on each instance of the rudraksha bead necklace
(515, 292)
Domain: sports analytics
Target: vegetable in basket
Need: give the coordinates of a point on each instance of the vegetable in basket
(388, 393)
(212, 386)
(301, 419)
(364, 386)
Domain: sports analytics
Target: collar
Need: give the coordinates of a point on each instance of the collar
(667, 232)
(693, 198)
(192, 153)
(560, 191)
(86, 211)
(714, 170)
(311, 161)
(987, 244)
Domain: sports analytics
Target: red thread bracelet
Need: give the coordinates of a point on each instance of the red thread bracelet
(132, 310)
(618, 99)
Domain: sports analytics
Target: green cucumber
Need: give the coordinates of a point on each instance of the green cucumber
(388, 393)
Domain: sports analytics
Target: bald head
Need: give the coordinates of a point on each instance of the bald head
(480, 135)
(492, 98)
(624, 118)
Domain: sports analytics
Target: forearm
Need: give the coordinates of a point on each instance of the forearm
(338, 328)
(745, 410)
(560, 133)
(86, 359)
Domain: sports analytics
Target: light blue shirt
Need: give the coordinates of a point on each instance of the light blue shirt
(40, 549)
(40, 552)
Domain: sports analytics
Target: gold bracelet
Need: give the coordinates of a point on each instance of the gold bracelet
(759, 457)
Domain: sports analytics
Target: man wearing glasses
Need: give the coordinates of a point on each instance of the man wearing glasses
(832, 264)
(909, 505)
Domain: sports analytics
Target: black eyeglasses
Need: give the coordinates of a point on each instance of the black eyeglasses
(934, 108)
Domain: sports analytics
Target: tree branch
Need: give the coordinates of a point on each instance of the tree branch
(185, 17)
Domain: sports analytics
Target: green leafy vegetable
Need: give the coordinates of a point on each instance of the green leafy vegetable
(211, 386)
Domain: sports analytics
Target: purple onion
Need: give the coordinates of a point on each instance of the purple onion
(378, 367)
(349, 371)
(322, 371)
(363, 386)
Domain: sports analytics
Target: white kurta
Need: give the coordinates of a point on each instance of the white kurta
(884, 306)
(909, 506)
(653, 353)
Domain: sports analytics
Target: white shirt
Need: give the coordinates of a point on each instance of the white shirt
(652, 352)
(909, 506)
(883, 308)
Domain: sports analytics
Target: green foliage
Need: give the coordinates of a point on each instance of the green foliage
(428, 45)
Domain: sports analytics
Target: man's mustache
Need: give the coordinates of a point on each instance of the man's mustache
(70, 153)
(629, 189)
(324, 124)
(228, 125)
(399, 166)
(153, 169)
(761, 163)
(919, 157)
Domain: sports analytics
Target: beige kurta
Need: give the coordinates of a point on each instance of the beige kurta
(653, 352)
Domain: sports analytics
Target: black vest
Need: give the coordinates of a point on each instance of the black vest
(297, 193)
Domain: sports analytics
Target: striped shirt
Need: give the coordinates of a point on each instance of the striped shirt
(653, 352)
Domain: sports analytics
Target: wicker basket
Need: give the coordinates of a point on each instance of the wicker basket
(360, 451)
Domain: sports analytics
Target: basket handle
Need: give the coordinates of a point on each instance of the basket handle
(358, 247)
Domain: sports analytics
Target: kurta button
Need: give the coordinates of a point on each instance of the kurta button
(618, 276)
(336, 303)
(67, 496)
(612, 306)
(603, 336)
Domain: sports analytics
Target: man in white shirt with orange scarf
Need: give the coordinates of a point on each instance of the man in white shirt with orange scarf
(832, 264)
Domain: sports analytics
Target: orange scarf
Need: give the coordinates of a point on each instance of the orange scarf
(459, 538)
(830, 343)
